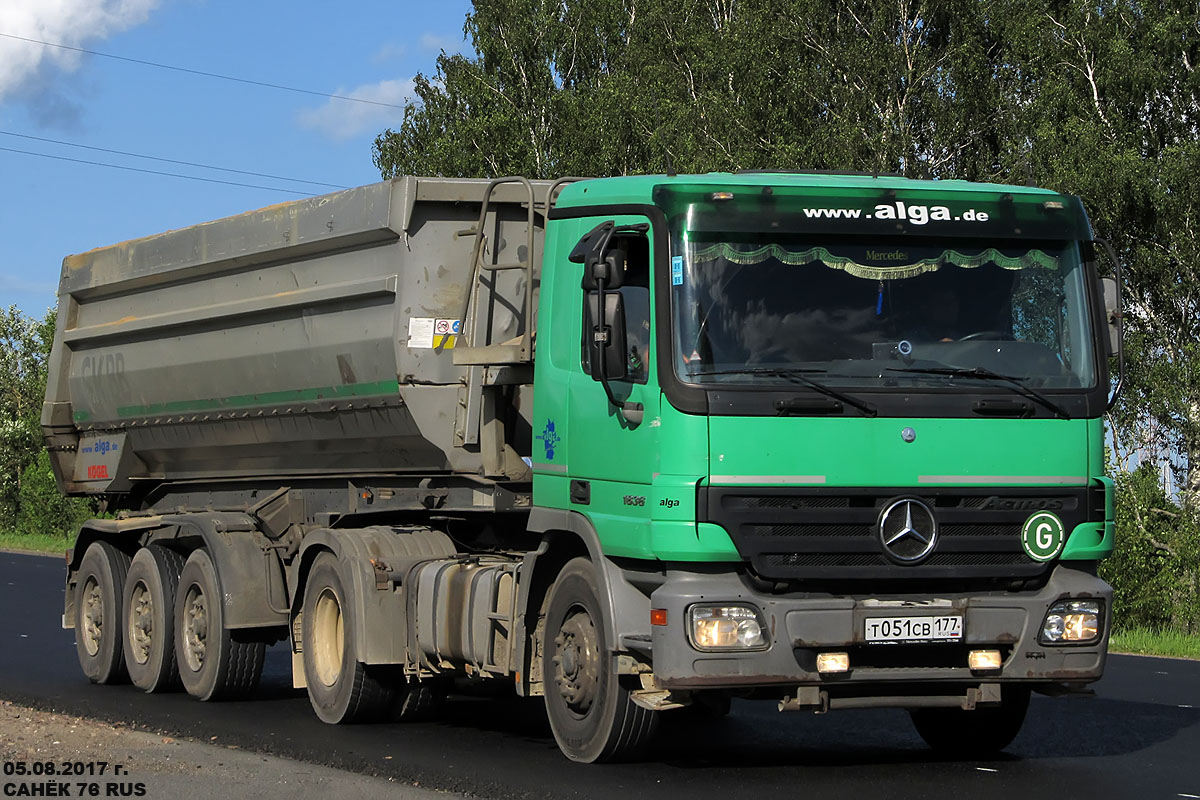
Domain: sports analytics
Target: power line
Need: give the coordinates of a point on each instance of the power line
(200, 72)
(155, 172)
(171, 160)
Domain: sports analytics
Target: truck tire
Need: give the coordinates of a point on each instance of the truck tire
(99, 587)
(148, 612)
(982, 732)
(419, 702)
(341, 688)
(214, 663)
(591, 711)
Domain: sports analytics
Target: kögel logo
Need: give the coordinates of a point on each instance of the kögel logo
(908, 530)
(1023, 503)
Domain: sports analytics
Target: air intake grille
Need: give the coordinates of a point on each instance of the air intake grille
(792, 533)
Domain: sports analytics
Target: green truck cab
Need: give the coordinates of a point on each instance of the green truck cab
(865, 461)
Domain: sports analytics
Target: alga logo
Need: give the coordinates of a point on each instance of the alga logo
(550, 439)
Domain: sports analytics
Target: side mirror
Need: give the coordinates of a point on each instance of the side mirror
(609, 268)
(1112, 289)
(607, 337)
(1112, 313)
(593, 243)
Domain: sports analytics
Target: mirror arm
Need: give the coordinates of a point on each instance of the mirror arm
(633, 413)
(1120, 310)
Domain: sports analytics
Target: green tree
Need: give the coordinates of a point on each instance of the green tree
(24, 348)
(29, 498)
(596, 87)
(1155, 570)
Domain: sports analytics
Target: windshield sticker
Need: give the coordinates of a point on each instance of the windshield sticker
(677, 270)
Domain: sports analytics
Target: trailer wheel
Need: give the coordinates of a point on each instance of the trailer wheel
(591, 711)
(149, 615)
(340, 687)
(214, 662)
(982, 732)
(99, 587)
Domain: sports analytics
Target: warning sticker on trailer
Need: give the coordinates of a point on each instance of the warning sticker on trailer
(420, 331)
(432, 332)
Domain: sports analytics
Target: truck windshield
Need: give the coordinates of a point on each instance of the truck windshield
(874, 313)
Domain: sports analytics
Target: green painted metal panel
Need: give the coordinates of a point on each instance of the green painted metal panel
(640, 188)
(1090, 541)
(805, 451)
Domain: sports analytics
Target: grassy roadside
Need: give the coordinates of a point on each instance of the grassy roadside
(1143, 641)
(35, 543)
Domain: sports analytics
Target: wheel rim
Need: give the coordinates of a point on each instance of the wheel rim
(577, 661)
(195, 627)
(328, 644)
(92, 616)
(141, 623)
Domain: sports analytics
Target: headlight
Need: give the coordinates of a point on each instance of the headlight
(1072, 622)
(727, 628)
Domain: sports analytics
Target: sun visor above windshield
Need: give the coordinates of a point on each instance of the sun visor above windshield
(876, 263)
(871, 211)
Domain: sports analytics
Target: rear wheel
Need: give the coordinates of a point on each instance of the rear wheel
(591, 711)
(99, 587)
(149, 614)
(215, 663)
(982, 732)
(340, 687)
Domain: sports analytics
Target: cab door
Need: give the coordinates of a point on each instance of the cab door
(612, 454)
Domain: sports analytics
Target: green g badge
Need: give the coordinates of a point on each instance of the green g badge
(1042, 536)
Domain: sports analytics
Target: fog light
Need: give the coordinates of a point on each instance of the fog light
(833, 662)
(727, 628)
(984, 659)
(1072, 622)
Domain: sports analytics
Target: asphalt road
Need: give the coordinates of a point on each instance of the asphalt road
(1139, 736)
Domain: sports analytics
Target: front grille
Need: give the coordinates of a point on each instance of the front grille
(878, 559)
(821, 533)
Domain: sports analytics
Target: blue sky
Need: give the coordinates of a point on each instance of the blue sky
(49, 209)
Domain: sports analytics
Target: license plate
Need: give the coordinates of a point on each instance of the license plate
(914, 629)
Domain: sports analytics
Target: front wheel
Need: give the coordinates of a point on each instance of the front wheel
(982, 732)
(592, 714)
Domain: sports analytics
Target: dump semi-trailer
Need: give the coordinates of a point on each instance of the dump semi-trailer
(630, 444)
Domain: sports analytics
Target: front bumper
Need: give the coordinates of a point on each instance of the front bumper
(803, 625)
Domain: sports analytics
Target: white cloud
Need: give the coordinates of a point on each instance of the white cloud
(344, 119)
(435, 42)
(74, 23)
(389, 52)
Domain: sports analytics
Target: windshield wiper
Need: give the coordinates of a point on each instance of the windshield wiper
(797, 376)
(1016, 384)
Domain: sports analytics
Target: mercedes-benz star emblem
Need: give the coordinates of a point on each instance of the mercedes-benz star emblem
(907, 530)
